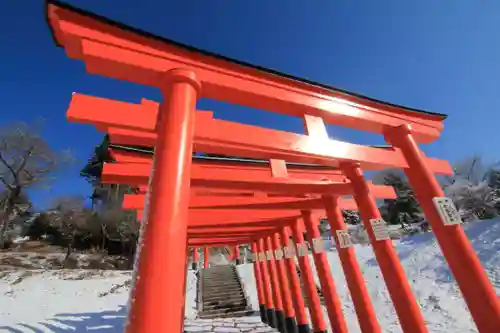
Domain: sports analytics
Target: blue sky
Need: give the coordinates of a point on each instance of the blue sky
(442, 56)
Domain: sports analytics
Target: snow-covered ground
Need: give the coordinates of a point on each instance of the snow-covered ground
(442, 304)
(58, 301)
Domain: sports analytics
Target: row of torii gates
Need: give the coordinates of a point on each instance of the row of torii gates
(201, 202)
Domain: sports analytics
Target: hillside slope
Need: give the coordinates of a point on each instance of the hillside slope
(436, 291)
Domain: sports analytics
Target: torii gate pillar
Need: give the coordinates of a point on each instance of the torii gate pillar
(237, 255)
(158, 296)
(206, 257)
(476, 288)
(196, 258)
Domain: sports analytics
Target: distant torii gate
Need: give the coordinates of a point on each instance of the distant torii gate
(185, 74)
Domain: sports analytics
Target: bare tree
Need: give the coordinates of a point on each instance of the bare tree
(26, 160)
(71, 220)
(121, 226)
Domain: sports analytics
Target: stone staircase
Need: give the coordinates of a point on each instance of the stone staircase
(320, 293)
(221, 293)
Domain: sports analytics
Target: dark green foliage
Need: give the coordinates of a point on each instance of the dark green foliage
(351, 217)
(93, 169)
(405, 209)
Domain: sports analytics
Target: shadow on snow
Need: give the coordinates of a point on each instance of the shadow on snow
(96, 322)
(483, 235)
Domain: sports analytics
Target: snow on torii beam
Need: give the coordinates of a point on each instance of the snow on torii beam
(134, 124)
(115, 50)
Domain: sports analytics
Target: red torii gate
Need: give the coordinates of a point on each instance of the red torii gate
(112, 174)
(185, 74)
(324, 273)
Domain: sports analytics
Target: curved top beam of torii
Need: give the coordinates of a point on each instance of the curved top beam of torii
(115, 50)
(134, 124)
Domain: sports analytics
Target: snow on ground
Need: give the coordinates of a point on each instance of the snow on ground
(436, 291)
(57, 301)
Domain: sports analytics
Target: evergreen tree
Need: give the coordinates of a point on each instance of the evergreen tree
(405, 209)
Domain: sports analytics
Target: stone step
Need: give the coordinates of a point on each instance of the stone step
(218, 270)
(225, 302)
(240, 313)
(218, 298)
(212, 301)
(222, 296)
(210, 292)
(220, 291)
(219, 288)
(222, 283)
(220, 280)
(226, 282)
(220, 277)
(225, 310)
(232, 286)
(230, 306)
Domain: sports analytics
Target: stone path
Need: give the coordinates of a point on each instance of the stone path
(250, 324)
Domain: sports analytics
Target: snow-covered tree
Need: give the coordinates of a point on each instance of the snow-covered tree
(474, 189)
